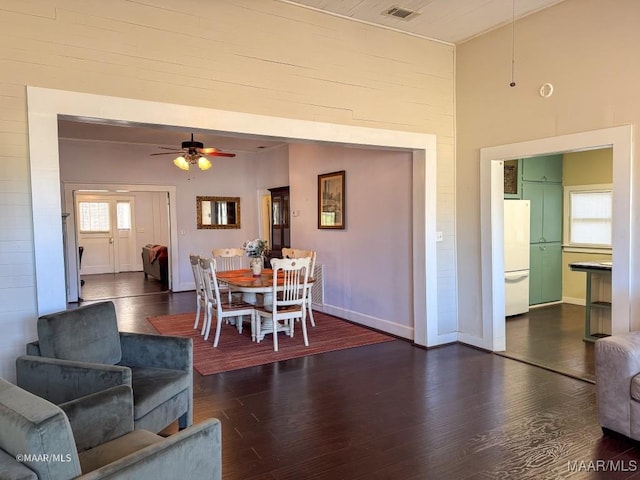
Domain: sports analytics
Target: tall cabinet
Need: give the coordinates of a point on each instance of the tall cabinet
(542, 186)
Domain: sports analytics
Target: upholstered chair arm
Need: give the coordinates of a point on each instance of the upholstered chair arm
(33, 348)
(62, 380)
(156, 351)
(100, 417)
(617, 362)
(191, 453)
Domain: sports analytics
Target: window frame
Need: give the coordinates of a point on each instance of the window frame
(567, 221)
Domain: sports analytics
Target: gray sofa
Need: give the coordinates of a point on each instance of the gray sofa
(617, 360)
(81, 351)
(93, 438)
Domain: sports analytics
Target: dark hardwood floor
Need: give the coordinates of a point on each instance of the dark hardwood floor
(551, 337)
(114, 285)
(395, 411)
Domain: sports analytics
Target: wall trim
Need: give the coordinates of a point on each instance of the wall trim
(574, 301)
(392, 328)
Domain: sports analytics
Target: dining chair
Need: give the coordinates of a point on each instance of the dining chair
(299, 253)
(289, 300)
(201, 299)
(234, 308)
(228, 259)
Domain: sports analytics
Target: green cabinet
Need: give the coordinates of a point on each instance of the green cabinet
(546, 168)
(545, 273)
(546, 210)
(542, 186)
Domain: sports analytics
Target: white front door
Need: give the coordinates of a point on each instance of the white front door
(105, 233)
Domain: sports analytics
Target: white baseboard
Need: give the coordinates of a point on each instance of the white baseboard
(472, 340)
(444, 339)
(391, 328)
(574, 301)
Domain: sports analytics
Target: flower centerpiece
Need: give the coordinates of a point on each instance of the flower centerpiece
(256, 250)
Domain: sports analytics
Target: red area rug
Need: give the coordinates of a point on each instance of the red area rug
(235, 350)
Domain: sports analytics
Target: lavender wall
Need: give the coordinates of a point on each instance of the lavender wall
(368, 265)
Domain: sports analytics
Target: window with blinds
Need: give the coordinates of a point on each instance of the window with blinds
(590, 216)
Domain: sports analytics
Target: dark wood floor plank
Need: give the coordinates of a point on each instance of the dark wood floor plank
(395, 411)
(552, 336)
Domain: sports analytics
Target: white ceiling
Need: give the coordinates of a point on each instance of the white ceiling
(450, 21)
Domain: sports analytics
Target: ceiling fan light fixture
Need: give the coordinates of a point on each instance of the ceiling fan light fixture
(204, 163)
(181, 163)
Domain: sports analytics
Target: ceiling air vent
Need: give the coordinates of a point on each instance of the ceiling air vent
(401, 13)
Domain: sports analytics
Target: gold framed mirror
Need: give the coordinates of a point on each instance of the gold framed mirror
(218, 212)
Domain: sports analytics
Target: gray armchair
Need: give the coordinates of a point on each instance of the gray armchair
(618, 383)
(93, 438)
(81, 351)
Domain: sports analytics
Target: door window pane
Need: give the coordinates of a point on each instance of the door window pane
(123, 210)
(94, 216)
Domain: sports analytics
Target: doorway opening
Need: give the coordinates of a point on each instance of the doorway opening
(280, 222)
(556, 215)
(114, 265)
(46, 105)
(492, 226)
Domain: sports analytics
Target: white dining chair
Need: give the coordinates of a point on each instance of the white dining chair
(299, 253)
(289, 300)
(215, 306)
(201, 299)
(228, 259)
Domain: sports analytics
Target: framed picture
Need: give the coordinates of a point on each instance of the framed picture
(331, 200)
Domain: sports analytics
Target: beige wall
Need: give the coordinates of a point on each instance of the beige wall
(255, 56)
(592, 167)
(582, 47)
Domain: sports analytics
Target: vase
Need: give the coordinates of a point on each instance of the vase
(256, 266)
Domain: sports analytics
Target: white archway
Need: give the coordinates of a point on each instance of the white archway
(45, 105)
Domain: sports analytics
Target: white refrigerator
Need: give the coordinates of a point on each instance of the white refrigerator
(516, 256)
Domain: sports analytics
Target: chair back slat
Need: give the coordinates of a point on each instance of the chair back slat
(228, 258)
(300, 253)
(295, 273)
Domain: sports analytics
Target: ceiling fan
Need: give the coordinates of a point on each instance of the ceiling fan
(193, 153)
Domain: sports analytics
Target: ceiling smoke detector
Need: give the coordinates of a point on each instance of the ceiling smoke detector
(401, 13)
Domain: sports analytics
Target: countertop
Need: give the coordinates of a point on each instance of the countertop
(604, 266)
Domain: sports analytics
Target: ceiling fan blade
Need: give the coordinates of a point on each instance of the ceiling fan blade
(175, 152)
(222, 154)
(167, 148)
(206, 151)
